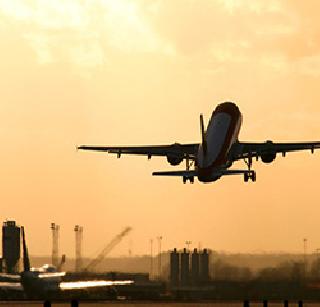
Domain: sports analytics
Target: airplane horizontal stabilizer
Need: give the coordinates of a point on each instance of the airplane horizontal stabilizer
(176, 173)
(234, 172)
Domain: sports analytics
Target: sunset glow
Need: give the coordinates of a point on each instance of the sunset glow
(140, 72)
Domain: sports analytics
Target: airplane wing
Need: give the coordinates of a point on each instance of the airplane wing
(180, 150)
(73, 285)
(245, 149)
(9, 277)
(14, 286)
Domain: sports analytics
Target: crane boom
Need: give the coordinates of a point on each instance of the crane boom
(115, 241)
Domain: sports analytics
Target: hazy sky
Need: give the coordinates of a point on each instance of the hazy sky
(140, 72)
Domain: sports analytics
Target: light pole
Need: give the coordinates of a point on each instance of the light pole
(188, 244)
(151, 258)
(318, 261)
(305, 256)
(159, 262)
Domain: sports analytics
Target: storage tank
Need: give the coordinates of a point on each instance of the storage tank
(11, 246)
(204, 266)
(195, 267)
(174, 268)
(184, 273)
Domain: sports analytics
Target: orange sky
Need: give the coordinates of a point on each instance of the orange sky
(140, 72)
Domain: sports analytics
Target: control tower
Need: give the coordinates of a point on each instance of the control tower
(11, 246)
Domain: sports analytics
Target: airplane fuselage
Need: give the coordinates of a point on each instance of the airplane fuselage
(222, 132)
(39, 283)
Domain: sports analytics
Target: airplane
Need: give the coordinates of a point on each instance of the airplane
(219, 149)
(47, 281)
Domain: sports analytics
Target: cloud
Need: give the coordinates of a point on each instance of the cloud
(83, 33)
(209, 34)
(239, 31)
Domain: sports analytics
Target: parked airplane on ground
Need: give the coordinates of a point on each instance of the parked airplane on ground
(220, 147)
(44, 281)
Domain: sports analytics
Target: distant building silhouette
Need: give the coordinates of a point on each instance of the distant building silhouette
(204, 266)
(195, 267)
(11, 246)
(184, 273)
(174, 267)
(181, 274)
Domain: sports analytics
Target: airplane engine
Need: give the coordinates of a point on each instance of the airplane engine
(175, 158)
(268, 157)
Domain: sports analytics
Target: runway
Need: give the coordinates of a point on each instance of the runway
(154, 304)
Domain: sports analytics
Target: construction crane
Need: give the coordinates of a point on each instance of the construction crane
(115, 241)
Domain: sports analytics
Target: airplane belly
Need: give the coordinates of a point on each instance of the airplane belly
(222, 132)
(216, 137)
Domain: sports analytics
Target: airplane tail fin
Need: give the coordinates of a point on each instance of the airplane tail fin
(26, 260)
(203, 135)
(62, 262)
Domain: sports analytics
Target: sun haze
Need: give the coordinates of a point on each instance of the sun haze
(140, 72)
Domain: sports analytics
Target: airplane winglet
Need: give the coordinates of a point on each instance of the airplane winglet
(203, 135)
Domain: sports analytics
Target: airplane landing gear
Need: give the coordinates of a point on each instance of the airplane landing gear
(186, 178)
(250, 175)
(188, 165)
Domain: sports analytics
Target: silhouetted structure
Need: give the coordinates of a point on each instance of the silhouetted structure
(181, 274)
(204, 266)
(184, 279)
(195, 267)
(174, 268)
(107, 249)
(11, 246)
(78, 236)
(55, 244)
